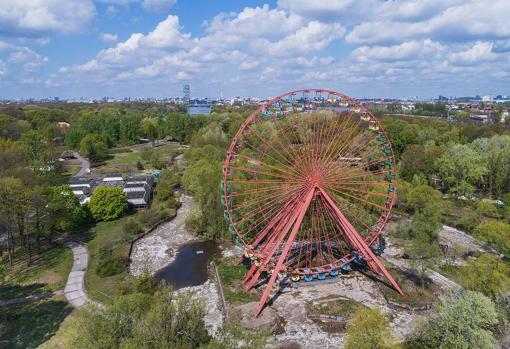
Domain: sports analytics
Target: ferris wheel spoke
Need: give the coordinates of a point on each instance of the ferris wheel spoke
(343, 205)
(343, 193)
(338, 177)
(265, 164)
(368, 164)
(342, 141)
(284, 167)
(365, 192)
(259, 172)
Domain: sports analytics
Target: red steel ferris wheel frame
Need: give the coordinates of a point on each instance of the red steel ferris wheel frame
(288, 221)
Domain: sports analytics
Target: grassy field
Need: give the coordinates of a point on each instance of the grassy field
(231, 275)
(124, 160)
(28, 325)
(107, 236)
(47, 272)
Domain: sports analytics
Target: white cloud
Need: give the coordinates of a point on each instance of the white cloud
(481, 51)
(106, 37)
(410, 50)
(40, 17)
(410, 45)
(468, 20)
(3, 67)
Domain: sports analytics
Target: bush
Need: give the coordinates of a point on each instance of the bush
(112, 265)
(369, 329)
(464, 320)
(496, 234)
(132, 228)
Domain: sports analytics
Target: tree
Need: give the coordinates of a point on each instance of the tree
(495, 153)
(426, 204)
(461, 168)
(464, 319)
(107, 203)
(423, 253)
(143, 320)
(14, 205)
(93, 148)
(487, 274)
(64, 211)
(495, 234)
(36, 150)
(369, 329)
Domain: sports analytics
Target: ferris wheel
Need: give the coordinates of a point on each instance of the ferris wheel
(308, 185)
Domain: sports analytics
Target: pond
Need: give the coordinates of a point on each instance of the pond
(189, 267)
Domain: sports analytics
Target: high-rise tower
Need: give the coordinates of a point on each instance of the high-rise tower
(186, 94)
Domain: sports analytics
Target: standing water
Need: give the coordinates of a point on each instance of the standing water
(190, 265)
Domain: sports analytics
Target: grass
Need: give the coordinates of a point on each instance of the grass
(338, 307)
(231, 275)
(414, 294)
(124, 159)
(107, 235)
(47, 272)
(28, 325)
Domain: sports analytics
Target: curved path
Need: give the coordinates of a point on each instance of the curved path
(85, 165)
(75, 286)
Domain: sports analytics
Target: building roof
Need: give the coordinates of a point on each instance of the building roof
(79, 180)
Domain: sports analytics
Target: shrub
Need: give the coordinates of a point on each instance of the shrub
(112, 265)
(132, 228)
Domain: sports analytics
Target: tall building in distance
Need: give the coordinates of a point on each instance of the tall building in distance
(186, 94)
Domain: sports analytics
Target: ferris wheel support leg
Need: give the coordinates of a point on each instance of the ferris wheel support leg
(288, 244)
(363, 248)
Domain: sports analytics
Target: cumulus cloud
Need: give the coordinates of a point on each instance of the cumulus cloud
(23, 56)
(410, 50)
(38, 17)
(465, 21)
(106, 37)
(479, 52)
(400, 43)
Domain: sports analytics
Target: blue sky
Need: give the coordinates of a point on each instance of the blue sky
(150, 48)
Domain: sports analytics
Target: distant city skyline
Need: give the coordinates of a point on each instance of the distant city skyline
(151, 48)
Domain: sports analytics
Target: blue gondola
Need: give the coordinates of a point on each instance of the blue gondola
(346, 267)
(320, 274)
(225, 216)
(308, 276)
(334, 271)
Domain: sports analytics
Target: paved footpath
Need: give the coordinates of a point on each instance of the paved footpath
(75, 286)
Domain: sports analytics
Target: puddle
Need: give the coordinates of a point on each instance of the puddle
(190, 265)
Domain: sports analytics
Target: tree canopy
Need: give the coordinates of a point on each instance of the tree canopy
(107, 203)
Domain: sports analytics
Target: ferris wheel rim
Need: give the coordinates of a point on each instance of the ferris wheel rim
(376, 229)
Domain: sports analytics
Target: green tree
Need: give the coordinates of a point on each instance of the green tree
(423, 253)
(464, 319)
(461, 168)
(63, 212)
(487, 274)
(495, 234)
(107, 203)
(93, 148)
(369, 329)
(144, 320)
